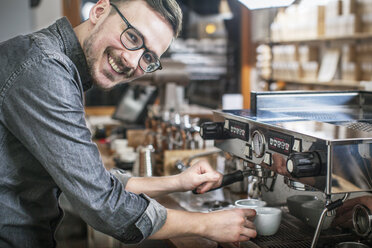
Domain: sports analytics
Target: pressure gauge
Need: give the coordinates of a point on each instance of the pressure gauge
(258, 144)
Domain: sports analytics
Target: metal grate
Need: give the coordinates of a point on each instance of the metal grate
(361, 126)
(295, 234)
(318, 116)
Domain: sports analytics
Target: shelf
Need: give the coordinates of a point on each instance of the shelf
(359, 36)
(333, 83)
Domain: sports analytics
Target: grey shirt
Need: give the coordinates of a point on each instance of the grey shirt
(46, 147)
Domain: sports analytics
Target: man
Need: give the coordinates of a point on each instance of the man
(46, 148)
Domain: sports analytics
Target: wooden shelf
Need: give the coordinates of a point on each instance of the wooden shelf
(360, 85)
(333, 83)
(358, 36)
(99, 110)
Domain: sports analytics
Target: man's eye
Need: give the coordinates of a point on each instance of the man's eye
(133, 38)
(148, 58)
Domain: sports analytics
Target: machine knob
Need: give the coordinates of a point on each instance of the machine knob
(213, 131)
(305, 164)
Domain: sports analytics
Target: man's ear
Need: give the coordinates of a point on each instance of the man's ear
(99, 10)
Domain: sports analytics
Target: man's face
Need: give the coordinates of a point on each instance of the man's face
(109, 61)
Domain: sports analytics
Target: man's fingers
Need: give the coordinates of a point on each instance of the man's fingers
(210, 177)
(208, 181)
(249, 224)
(205, 187)
(247, 234)
(249, 213)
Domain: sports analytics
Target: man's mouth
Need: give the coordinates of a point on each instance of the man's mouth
(114, 66)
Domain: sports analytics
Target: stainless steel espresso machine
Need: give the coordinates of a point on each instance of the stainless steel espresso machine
(320, 141)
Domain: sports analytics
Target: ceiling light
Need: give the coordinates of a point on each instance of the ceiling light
(210, 28)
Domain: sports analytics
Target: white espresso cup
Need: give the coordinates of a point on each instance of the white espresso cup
(267, 220)
(250, 203)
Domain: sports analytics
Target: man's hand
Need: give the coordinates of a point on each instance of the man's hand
(280, 165)
(345, 212)
(233, 225)
(200, 176)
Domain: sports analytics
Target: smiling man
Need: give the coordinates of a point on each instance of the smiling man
(46, 147)
(108, 31)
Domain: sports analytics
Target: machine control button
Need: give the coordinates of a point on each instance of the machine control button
(227, 124)
(267, 159)
(237, 129)
(279, 142)
(248, 151)
(290, 166)
(305, 164)
(296, 145)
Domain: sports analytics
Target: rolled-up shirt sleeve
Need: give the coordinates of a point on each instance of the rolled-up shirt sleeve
(155, 213)
(42, 106)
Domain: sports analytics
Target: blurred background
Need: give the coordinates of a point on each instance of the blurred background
(227, 49)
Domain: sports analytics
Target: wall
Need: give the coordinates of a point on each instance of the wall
(17, 17)
(46, 13)
(261, 21)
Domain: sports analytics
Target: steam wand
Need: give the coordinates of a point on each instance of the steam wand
(329, 207)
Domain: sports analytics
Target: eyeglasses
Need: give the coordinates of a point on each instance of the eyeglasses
(132, 40)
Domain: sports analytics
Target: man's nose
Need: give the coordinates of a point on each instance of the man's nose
(132, 58)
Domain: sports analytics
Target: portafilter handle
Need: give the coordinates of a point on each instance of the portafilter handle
(230, 178)
(213, 131)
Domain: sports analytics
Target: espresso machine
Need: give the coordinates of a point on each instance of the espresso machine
(318, 141)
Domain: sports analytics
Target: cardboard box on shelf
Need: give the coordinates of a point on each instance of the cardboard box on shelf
(350, 71)
(348, 53)
(333, 9)
(364, 52)
(320, 20)
(308, 53)
(364, 7)
(349, 7)
(366, 22)
(310, 70)
(298, 22)
(366, 71)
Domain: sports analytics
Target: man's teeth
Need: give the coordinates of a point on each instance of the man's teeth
(114, 66)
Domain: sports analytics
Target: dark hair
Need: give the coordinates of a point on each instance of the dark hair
(169, 9)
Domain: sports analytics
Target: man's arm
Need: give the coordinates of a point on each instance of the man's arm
(222, 226)
(199, 176)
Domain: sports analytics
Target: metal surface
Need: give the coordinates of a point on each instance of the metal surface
(335, 125)
(294, 234)
(362, 221)
(322, 218)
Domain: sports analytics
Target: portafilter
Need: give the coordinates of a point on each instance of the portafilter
(362, 220)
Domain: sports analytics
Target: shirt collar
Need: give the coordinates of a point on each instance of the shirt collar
(74, 51)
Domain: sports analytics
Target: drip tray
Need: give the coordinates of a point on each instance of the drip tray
(293, 233)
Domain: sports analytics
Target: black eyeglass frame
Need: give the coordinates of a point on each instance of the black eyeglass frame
(129, 26)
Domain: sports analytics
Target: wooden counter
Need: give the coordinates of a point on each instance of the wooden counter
(186, 242)
(168, 202)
